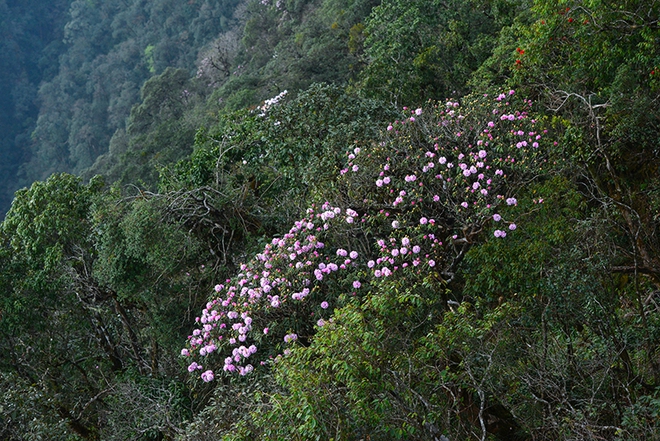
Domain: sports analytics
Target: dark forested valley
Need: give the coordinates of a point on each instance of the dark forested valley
(32, 33)
(329, 220)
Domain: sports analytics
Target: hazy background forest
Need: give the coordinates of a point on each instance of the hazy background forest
(329, 219)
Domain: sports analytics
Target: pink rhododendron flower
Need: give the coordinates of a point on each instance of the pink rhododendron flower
(207, 376)
(290, 337)
(193, 367)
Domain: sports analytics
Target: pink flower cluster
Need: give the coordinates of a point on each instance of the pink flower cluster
(438, 180)
(442, 178)
(280, 278)
(458, 168)
(399, 254)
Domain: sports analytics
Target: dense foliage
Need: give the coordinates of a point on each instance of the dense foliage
(264, 243)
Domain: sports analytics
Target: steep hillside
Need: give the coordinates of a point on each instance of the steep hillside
(341, 220)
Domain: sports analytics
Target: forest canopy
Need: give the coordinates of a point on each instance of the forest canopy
(330, 220)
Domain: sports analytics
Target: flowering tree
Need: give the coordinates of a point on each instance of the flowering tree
(439, 181)
(440, 177)
(275, 294)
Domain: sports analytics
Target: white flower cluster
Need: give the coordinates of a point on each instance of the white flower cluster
(271, 102)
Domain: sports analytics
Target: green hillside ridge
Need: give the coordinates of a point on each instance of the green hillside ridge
(335, 220)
